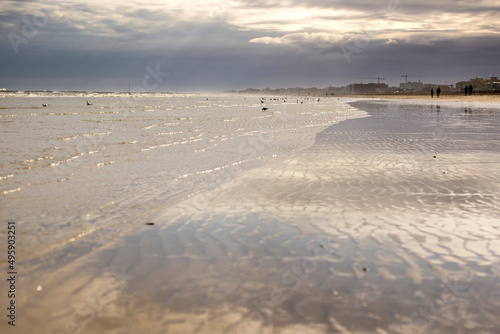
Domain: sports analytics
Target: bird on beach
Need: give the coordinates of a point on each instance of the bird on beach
(44, 104)
(89, 104)
(264, 109)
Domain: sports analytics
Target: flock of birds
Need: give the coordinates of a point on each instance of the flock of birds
(284, 100)
(261, 101)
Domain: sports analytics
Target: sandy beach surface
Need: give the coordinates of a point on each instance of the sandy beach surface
(387, 223)
(477, 98)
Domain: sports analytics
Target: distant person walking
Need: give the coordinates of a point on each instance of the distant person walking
(438, 92)
(470, 89)
(432, 93)
(466, 89)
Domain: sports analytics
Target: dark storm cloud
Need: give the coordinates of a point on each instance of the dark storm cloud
(225, 44)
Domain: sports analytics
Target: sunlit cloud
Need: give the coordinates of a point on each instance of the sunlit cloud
(304, 38)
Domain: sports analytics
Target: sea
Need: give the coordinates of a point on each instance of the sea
(91, 161)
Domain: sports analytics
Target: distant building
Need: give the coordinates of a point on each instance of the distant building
(336, 90)
(412, 86)
(367, 88)
(480, 84)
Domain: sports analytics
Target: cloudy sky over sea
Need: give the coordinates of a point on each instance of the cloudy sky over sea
(188, 45)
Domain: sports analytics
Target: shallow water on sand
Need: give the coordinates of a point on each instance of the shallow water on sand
(387, 224)
(70, 170)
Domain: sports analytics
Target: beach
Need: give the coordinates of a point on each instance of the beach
(476, 98)
(338, 215)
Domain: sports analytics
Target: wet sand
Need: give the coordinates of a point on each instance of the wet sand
(387, 224)
(484, 99)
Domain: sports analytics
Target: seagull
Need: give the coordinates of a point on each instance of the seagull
(264, 109)
(44, 105)
(89, 104)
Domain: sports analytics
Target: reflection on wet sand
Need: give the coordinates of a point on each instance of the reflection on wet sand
(385, 225)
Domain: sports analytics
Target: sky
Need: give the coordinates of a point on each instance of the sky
(216, 45)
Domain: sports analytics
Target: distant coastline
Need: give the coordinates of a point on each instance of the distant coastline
(478, 96)
(334, 91)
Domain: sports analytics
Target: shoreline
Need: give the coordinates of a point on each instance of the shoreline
(444, 97)
(492, 98)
